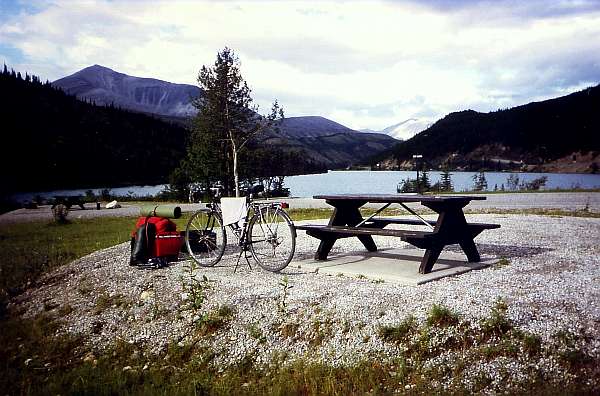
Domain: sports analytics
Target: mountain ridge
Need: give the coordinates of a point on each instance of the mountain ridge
(536, 136)
(105, 86)
(315, 136)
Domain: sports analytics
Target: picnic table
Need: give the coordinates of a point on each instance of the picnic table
(68, 201)
(450, 227)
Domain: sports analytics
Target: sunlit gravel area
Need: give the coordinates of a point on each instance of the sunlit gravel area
(550, 283)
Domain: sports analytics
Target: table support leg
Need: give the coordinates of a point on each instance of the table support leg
(451, 227)
(368, 242)
(324, 248)
(349, 214)
(430, 257)
(468, 246)
(345, 214)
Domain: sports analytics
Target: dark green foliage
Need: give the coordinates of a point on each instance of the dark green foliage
(480, 182)
(53, 140)
(446, 181)
(420, 185)
(535, 184)
(225, 123)
(408, 185)
(535, 132)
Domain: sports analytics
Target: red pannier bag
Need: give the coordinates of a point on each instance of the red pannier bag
(167, 240)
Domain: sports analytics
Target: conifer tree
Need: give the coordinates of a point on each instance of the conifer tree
(226, 122)
(446, 181)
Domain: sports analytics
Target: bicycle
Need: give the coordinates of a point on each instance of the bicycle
(267, 232)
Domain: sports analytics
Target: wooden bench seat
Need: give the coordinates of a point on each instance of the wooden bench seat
(346, 231)
(383, 221)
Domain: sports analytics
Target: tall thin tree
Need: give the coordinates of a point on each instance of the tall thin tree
(226, 121)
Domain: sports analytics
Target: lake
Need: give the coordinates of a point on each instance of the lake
(340, 182)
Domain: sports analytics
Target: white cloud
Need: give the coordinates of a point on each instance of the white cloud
(364, 64)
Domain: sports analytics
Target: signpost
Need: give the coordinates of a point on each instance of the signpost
(416, 157)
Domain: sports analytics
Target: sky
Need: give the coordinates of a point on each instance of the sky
(364, 64)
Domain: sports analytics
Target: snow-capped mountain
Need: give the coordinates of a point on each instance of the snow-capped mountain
(406, 129)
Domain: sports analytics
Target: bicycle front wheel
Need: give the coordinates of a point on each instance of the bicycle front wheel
(205, 237)
(272, 238)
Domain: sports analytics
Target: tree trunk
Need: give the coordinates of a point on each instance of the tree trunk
(236, 177)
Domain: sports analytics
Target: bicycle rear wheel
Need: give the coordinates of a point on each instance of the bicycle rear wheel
(272, 238)
(205, 237)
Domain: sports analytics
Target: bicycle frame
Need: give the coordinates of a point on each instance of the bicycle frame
(241, 231)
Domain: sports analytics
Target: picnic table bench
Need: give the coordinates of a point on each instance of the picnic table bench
(68, 201)
(450, 227)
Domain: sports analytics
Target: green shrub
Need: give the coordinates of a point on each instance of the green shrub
(400, 333)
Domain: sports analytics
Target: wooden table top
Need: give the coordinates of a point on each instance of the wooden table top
(398, 198)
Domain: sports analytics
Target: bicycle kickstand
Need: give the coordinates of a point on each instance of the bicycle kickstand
(245, 252)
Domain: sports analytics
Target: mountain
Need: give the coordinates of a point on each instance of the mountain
(320, 140)
(407, 129)
(550, 135)
(104, 86)
(327, 142)
(403, 130)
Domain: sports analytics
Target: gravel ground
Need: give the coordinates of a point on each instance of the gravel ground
(551, 285)
(563, 201)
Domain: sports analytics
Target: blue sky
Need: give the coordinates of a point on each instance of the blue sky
(365, 64)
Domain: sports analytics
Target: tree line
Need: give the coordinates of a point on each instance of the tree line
(54, 140)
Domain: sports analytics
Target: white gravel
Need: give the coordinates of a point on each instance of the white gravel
(552, 284)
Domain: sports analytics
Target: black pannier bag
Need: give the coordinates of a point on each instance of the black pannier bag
(141, 243)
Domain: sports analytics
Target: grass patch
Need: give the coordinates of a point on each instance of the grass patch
(503, 262)
(29, 249)
(498, 323)
(215, 320)
(309, 213)
(106, 301)
(441, 316)
(255, 332)
(40, 362)
(399, 333)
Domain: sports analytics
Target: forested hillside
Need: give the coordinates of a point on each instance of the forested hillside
(533, 134)
(53, 140)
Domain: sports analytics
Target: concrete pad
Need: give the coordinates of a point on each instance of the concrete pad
(394, 265)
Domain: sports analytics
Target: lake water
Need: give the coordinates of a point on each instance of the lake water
(340, 182)
(385, 182)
